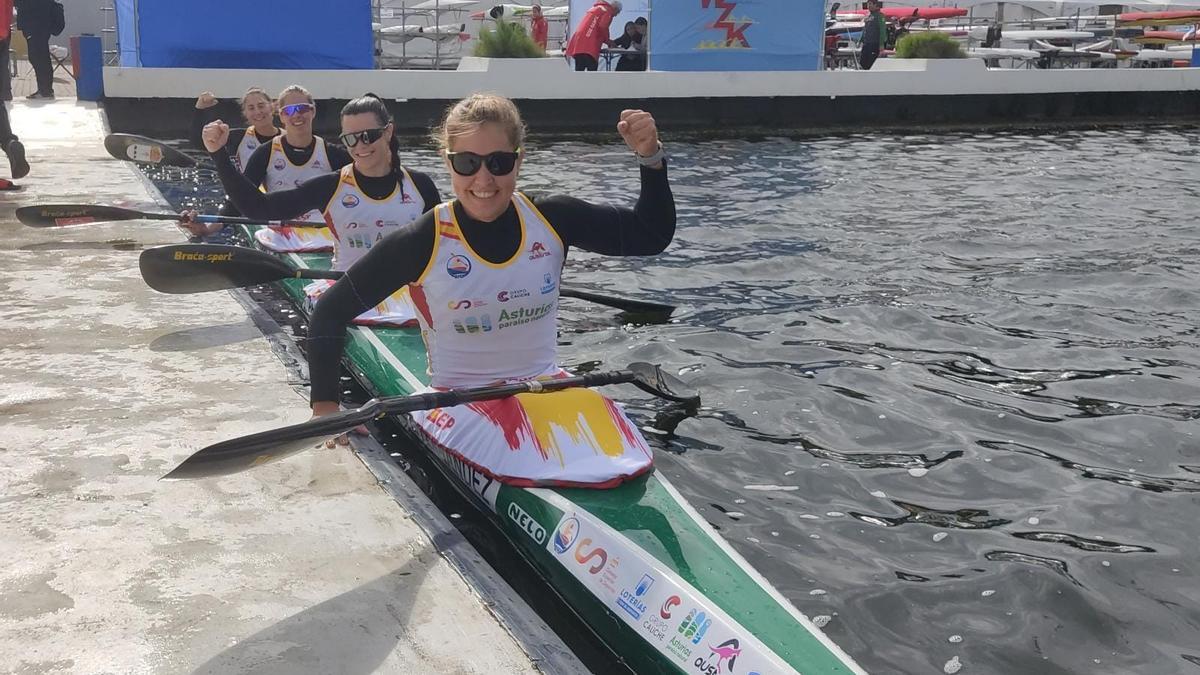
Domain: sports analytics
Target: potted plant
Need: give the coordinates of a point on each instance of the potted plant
(930, 51)
(508, 47)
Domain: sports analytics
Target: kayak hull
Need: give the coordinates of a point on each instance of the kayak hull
(636, 563)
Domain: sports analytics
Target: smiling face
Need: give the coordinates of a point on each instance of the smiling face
(257, 110)
(371, 159)
(300, 124)
(484, 196)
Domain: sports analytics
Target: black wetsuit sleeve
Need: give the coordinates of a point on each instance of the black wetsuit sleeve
(256, 166)
(235, 139)
(646, 229)
(282, 205)
(200, 117)
(391, 264)
(427, 188)
(338, 155)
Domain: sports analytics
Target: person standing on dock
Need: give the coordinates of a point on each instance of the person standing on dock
(539, 29)
(18, 167)
(591, 34)
(38, 20)
(874, 32)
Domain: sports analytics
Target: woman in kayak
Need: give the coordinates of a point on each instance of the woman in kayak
(288, 160)
(368, 198)
(484, 272)
(259, 113)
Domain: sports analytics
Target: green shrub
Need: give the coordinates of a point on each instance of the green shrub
(929, 45)
(507, 41)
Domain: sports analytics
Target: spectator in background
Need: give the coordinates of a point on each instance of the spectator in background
(6, 16)
(592, 34)
(38, 20)
(538, 28)
(8, 140)
(634, 38)
(874, 32)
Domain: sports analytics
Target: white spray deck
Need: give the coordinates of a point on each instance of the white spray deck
(305, 566)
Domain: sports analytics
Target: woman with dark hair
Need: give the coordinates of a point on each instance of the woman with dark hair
(361, 203)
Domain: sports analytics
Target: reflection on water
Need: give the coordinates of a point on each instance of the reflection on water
(950, 381)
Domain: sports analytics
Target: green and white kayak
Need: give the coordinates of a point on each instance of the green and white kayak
(637, 563)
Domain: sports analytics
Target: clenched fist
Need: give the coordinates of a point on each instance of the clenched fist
(215, 135)
(640, 132)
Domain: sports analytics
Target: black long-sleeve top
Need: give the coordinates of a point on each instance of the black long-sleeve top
(646, 229)
(313, 193)
(202, 116)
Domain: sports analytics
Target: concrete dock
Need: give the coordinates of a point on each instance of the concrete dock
(308, 565)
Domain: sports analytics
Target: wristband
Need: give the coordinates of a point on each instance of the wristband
(650, 160)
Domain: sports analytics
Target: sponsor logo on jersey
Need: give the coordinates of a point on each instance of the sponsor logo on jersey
(473, 325)
(317, 165)
(279, 164)
(458, 266)
(350, 201)
(512, 294)
(464, 304)
(548, 283)
(538, 250)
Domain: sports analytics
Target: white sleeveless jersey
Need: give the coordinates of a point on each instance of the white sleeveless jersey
(245, 148)
(359, 222)
(283, 175)
(484, 322)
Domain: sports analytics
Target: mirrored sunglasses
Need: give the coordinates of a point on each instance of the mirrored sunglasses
(499, 163)
(366, 136)
(297, 108)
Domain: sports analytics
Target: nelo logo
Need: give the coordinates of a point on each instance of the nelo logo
(527, 523)
(538, 250)
(350, 201)
(670, 602)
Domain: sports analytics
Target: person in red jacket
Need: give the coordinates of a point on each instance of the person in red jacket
(592, 34)
(538, 28)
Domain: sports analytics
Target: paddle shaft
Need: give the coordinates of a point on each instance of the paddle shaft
(242, 453)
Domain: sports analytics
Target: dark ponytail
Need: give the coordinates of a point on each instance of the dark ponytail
(370, 103)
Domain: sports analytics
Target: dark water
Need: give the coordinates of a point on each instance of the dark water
(951, 381)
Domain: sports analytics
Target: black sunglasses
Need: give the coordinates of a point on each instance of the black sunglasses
(499, 163)
(367, 136)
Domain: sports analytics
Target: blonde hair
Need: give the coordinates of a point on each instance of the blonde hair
(295, 89)
(471, 113)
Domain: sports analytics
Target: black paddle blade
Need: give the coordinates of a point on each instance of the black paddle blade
(144, 150)
(196, 268)
(651, 378)
(623, 304)
(239, 454)
(60, 215)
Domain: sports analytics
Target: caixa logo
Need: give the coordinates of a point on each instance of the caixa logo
(526, 523)
(726, 651)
